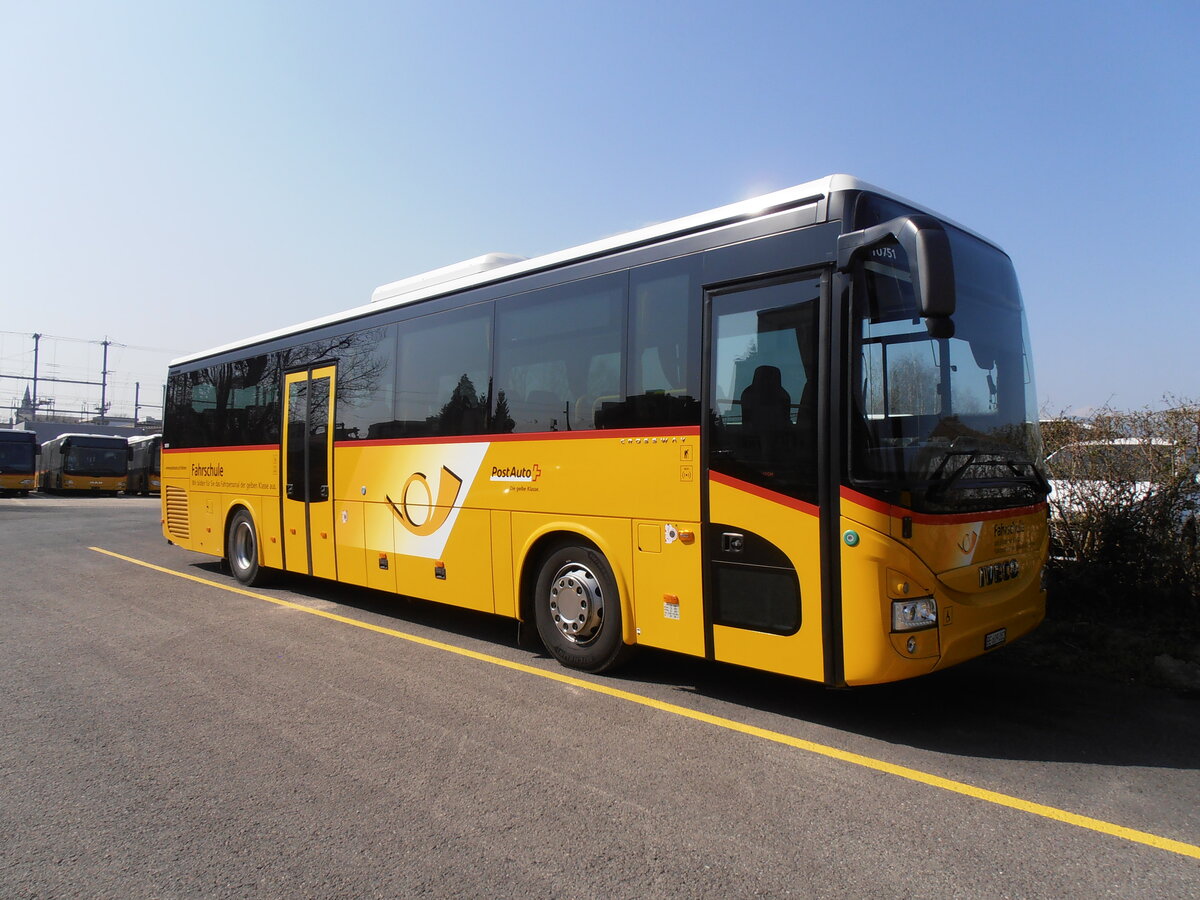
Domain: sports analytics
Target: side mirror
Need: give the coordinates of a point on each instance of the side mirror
(930, 262)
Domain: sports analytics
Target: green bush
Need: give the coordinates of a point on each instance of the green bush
(1124, 519)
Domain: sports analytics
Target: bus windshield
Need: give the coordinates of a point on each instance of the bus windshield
(95, 460)
(16, 457)
(945, 424)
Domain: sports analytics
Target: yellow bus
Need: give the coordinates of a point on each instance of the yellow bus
(145, 456)
(797, 433)
(95, 463)
(18, 461)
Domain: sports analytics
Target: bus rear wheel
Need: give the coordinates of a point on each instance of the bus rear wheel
(241, 548)
(578, 609)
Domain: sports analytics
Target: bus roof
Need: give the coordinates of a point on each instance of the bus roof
(99, 437)
(492, 267)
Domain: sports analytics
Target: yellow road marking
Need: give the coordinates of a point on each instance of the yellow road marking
(867, 762)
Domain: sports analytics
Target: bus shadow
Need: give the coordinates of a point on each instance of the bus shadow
(993, 707)
(403, 610)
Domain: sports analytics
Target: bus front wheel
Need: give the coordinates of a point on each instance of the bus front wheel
(578, 609)
(241, 547)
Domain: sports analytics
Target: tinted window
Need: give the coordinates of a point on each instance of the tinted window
(307, 448)
(664, 328)
(442, 375)
(757, 597)
(559, 356)
(230, 404)
(764, 386)
(366, 385)
(16, 457)
(297, 428)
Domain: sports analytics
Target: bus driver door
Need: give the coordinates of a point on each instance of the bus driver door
(307, 513)
(763, 531)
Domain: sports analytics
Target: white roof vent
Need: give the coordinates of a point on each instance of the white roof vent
(443, 275)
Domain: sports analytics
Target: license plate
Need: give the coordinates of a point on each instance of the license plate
(995, 639)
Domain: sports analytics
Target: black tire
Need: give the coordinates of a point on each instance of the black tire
(578, 609)
(241, 549)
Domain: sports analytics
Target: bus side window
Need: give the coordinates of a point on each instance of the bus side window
(558, 351)
(366, 385)
(664, 326)
(442, 374)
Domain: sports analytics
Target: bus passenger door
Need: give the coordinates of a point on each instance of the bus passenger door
(307, 513)
(762, 522)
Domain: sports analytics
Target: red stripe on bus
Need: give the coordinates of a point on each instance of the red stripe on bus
(633, 433)
(764, 493)
(166, 449)
(899, 512)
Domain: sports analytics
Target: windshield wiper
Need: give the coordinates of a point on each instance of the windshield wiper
(942, 483)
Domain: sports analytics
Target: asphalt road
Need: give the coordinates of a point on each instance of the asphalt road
(167, 737)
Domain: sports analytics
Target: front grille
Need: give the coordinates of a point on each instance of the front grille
(176, 503)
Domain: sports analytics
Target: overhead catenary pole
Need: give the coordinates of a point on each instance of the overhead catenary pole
(104, 380)
(34, 401)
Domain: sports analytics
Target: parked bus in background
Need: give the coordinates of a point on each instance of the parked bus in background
(96, 463)
(18, 461)
(144, 454)
(798, 433)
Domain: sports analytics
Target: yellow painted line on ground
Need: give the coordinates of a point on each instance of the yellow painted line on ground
(867, 762)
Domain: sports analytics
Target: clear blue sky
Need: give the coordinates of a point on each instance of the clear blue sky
(179, 175)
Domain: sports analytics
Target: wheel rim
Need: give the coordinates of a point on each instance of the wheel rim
(577, 603)
(242, 551)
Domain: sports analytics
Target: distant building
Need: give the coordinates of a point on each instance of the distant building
(28, 412)
(25, 410)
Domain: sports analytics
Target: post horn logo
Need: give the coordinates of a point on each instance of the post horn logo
(422, 515)
(968, 542)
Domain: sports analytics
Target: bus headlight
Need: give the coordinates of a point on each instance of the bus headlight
(909, 615)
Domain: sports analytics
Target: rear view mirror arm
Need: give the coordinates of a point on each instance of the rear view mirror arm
(931, 264)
